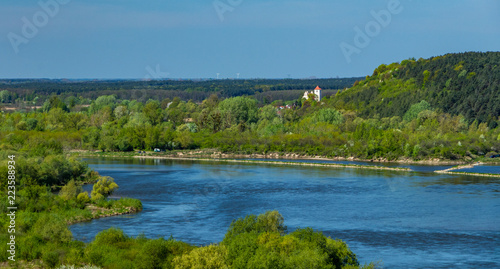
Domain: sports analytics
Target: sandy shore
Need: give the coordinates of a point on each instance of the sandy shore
(449, 171)
(332, 165)
(213, 154)
(468, 174)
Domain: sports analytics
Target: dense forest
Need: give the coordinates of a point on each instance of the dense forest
(466, 84)
(265, 90)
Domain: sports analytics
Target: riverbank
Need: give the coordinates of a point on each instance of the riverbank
(331, 165)
(469, 174)
(214, 154)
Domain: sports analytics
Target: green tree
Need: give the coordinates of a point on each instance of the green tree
(208, 257)
(54, 102)
(267, 113)
(70, 191)
(6, 96)
(152, 110)
(103, 101)
(329, 115)
(104, 187)
(239, 110)
(271, 221)
(415, 109)
(153, 254)
(83, 198)
(32, 124)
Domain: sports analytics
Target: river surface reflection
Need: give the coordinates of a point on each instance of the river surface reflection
(404, 219)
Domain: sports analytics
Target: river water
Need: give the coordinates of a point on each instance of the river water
(402, 219)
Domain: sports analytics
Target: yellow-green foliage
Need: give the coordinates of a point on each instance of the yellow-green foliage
(209, 257)
(83, 198)
(104, 187)
(70, 191)
(52, 228)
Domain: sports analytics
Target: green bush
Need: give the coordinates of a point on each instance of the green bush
(271, 221)
(51, 259)
(209, 257)
(70, 191)
(52, 228)
(109, 237)
(104, 187)
(83, 198)
(153, 254)
(129, 202)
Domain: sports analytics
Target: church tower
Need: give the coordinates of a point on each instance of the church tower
(317, 92)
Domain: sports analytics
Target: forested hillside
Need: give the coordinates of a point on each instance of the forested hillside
(466, 84)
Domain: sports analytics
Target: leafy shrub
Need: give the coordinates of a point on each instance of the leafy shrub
(209, 257)
(111, 236)
(51, 259)
(129, 202)
(153, 254)
(53, 228)
(329, 115)
(271, 221)
(83, 198)
(70, 191)
(415, 109)
(104, 187)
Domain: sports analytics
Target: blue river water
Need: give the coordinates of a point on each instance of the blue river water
(402, 219)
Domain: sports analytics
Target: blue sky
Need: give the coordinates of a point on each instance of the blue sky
(257, 39)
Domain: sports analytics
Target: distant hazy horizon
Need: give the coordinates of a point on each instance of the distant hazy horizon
(161, 39)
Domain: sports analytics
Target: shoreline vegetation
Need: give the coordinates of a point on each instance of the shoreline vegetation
(102, 212)
(215, 154)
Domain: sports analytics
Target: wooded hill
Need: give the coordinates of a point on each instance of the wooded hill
(466, 84)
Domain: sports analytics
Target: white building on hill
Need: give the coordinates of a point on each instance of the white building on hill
(316, 92)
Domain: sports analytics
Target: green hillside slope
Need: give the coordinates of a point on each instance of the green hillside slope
(466, 84)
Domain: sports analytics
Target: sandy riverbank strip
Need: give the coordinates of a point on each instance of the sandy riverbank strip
(468, 166)
(449, 171)
(330, 165)
(213, 154)
(468, 174)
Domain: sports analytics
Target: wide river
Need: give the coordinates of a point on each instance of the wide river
(402, 219)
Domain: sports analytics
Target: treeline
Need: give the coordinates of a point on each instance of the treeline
(466, 84)
(240, 125)
(196, 90)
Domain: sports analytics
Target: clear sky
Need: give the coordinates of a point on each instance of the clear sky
(255, 38)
